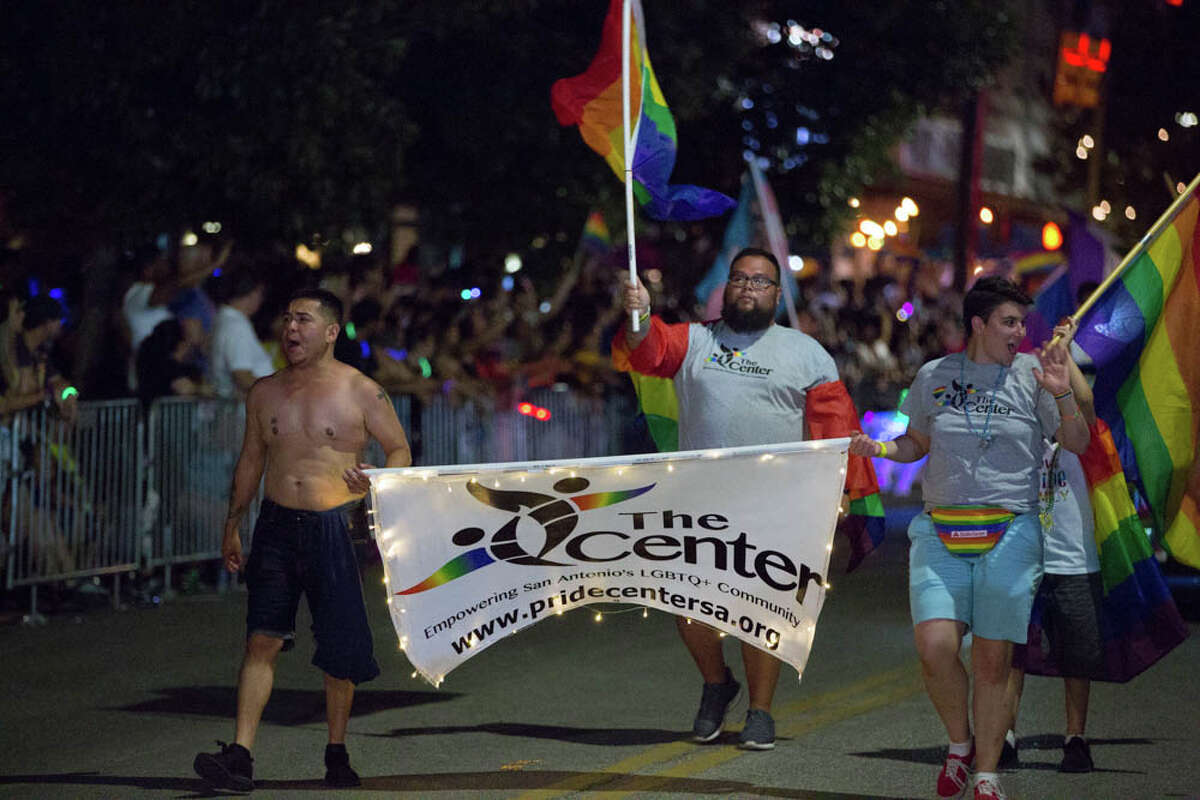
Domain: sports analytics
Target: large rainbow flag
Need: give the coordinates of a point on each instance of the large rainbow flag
(1139, 621)
(592, 100)
(1144, 337)
(830, 414)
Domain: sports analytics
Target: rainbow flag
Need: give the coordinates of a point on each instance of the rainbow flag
(1144, 337)
(1039, 262)
(596, 238)
(1139, 621)
(830, 414)
(656, 400)
(592, 100)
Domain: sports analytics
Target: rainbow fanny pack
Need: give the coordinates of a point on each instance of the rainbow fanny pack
(970, 530)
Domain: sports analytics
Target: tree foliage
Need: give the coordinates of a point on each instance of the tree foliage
(289, 120)
(278, 118)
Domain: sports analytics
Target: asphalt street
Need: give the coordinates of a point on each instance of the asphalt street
(116, 703)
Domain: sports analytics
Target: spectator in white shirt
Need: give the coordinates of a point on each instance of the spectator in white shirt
(145, 303)
(238, 357)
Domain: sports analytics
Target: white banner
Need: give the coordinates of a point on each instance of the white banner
(737, 538)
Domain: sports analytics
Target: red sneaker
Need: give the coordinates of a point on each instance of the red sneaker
(989, 789)
(956, 774)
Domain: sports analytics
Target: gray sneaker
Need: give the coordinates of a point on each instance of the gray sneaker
(758, 732)
(714, 703)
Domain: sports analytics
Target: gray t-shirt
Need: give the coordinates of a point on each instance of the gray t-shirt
(949, 402)
(739, 389)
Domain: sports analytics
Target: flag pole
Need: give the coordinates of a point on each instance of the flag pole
(776, 239)
(629, 137)
(1166, 219)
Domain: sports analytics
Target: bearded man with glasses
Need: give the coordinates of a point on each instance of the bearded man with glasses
(740, 380)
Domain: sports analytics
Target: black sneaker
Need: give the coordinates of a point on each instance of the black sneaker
(337, 767)
(1008, 756)
(1077, 756)
(231, 769)
(759, 731)
(714, 703)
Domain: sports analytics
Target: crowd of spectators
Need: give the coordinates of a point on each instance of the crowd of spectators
(204, 322)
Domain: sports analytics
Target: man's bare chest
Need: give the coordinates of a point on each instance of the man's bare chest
(322, 416)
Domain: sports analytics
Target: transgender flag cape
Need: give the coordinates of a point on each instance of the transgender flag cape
(1138, 619)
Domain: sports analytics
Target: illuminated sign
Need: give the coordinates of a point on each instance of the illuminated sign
(1082, 62)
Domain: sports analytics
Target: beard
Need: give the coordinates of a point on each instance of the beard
(750, 320)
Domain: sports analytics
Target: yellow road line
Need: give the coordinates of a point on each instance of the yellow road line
(707, 759)
(796, 719)
(652, 755)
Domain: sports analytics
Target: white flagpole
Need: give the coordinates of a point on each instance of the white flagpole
(630, 143)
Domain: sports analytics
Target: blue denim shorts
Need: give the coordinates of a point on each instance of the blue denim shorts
(296, 552)
(992, 593)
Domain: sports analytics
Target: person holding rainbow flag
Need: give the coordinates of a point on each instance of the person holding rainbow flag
(742, 380)
(975, 559)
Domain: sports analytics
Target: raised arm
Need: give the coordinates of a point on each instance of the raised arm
(1079, 385)
(1055, 378)
(635, 299)
(657, 348)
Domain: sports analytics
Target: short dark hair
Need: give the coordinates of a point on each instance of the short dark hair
(39, 310)
(758, 251)
(329, 301)
(987, 294)
(239, 277)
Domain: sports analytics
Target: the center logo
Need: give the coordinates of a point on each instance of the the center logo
(733, 360)
(555, 516)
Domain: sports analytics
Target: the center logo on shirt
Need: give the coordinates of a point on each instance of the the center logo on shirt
(730, 360)
(968, 398)
(1054, 482)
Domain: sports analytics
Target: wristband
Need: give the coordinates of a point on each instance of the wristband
(882, 449)
(1064, 395)
(70, 391)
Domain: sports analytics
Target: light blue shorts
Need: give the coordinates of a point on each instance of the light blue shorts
(992, 593)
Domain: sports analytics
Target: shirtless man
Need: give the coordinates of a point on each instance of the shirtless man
(305, 426)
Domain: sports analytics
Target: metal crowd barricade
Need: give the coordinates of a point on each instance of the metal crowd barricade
(580, 426)
(122, 489)
(192, 445)
(73, 495)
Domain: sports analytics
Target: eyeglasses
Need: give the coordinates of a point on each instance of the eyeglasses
(756, 282)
